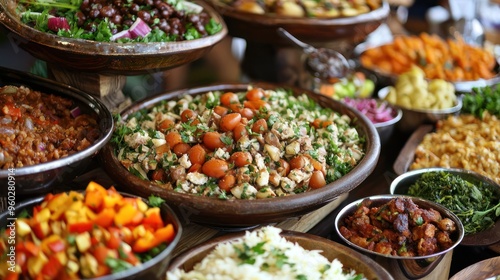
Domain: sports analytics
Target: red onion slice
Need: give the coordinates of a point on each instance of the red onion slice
(56, 23)
(139, 29)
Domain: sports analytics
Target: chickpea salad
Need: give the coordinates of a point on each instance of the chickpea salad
(251, 144)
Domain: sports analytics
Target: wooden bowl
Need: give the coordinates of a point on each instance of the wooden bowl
(330, 249)
(263, 28)
(106, 57)
(242, 212)
(488, 269)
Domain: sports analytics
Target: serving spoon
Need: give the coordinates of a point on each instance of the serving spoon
(325, 63)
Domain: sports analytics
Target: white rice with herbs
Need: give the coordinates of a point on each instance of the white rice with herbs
(263, 254)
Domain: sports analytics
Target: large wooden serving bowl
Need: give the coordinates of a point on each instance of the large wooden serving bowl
(244, 213)
(349, 258)
(263, 28)
(106, 57)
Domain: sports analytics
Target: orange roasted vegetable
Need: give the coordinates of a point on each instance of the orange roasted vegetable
(451, 60)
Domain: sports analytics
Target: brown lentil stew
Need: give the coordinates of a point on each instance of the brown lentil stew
(36, 127)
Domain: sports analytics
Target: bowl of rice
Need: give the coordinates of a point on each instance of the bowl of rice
(272, 253)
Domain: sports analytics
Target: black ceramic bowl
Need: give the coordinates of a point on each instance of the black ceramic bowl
(155, 268)
(41, 178)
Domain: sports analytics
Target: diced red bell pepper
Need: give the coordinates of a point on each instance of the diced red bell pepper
(40, 229)
(52, 268)
(30, 248)
(100, 253)
(80, 227)
(114, 241)
(153, 219)
(57, 246)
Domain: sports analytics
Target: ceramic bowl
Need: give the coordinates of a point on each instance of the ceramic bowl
(242, 212)
(106, 57)
(154, 268)
(405, 267)
(490, 236)
(330, 249)
(263, 28)
(413, 118)
(41, 178)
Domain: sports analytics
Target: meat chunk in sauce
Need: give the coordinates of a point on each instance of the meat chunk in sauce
(399, 228)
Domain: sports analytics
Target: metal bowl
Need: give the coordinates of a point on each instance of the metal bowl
(41, 178)
(413, 118)
(401, 184)
(106, 57)
(330, 249)
(154, 268)
(386, 129)
(241, 212)
(405, 267)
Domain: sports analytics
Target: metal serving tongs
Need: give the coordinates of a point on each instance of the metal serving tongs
(325, 63)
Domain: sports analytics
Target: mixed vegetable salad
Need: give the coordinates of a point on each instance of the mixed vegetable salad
(74, 235)
(118, 20)
(245, 145)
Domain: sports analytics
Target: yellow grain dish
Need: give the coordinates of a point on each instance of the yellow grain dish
(452, 60)
(463, 141)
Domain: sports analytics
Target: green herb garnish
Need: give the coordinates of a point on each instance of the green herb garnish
(155, 201)
(476, 204)
(482, 99)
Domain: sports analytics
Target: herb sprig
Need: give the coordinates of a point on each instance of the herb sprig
(482, 99)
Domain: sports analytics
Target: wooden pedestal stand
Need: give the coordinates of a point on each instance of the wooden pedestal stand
(108, 88)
